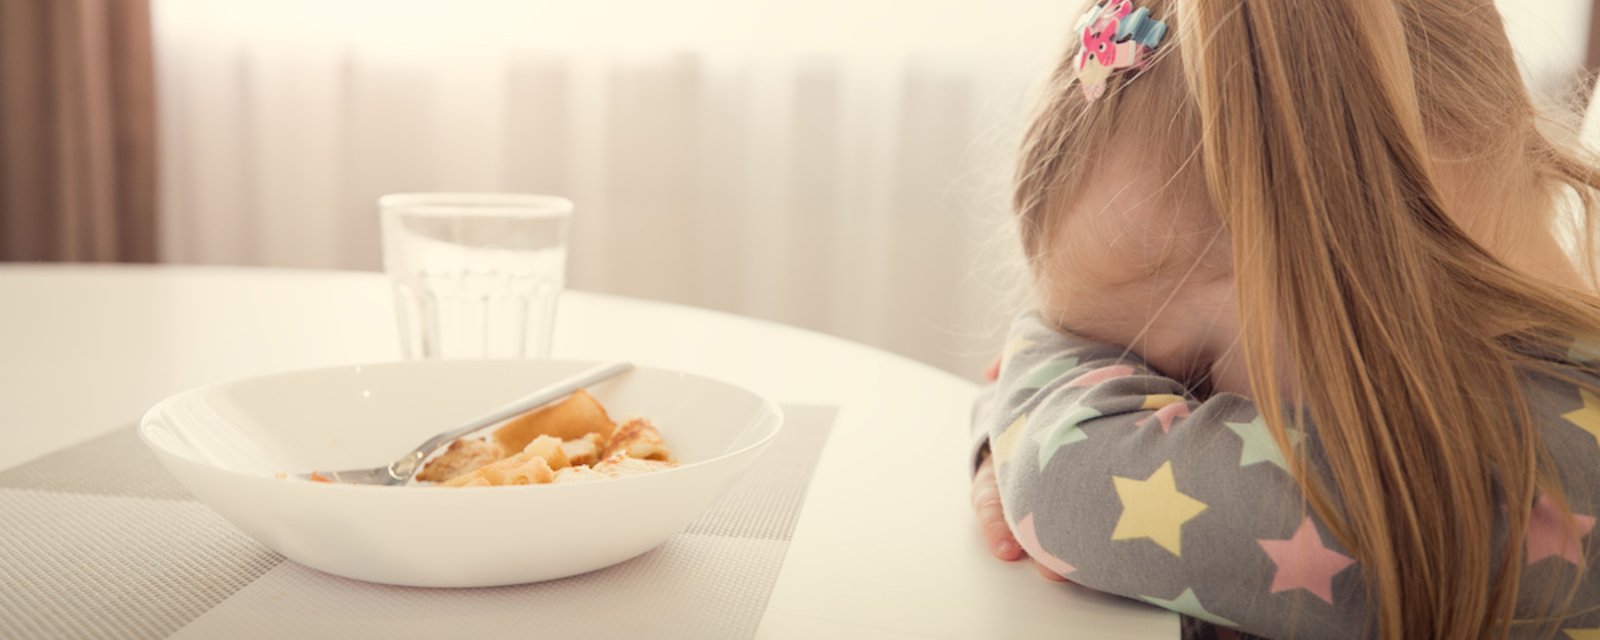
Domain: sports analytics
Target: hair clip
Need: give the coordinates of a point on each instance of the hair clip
(1116, 37)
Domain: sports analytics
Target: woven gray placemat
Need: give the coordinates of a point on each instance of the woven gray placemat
(99, 542)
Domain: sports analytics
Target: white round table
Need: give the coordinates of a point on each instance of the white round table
(885, 545)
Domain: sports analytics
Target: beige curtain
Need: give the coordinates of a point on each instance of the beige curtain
(77, 131)
(1593, 59)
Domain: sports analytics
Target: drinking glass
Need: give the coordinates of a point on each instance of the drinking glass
(476, 275)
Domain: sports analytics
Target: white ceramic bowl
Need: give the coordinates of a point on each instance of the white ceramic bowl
(226, 441)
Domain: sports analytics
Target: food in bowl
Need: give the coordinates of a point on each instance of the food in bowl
(573, 440)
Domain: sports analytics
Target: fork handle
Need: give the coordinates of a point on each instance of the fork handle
(406, 466)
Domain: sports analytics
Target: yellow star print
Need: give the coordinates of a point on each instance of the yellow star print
(1160, 401)
(1153, 508)
(1587, 418)
(1582, 634)
(1014, 347)
(1006, 443)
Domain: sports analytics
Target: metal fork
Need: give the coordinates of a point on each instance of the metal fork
(401, 470)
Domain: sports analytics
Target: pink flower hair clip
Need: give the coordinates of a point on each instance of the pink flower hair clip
(1116, 37)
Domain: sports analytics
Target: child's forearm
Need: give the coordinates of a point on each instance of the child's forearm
(1136, 487)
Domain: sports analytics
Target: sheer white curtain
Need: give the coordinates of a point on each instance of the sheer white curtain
(1551, 38)
(835, 164)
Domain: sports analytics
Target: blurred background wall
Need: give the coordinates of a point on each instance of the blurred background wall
(839, 165)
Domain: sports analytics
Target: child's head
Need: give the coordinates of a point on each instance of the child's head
(1449, 60)
(1368, 181)
(1113, 195)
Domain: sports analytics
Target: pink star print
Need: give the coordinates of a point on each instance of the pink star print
(1167, 414)
(1549, 536)
(1029, 539)
(1304, 563)
(1101, 375)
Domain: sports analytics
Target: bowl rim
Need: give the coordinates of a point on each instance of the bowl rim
(767, 405)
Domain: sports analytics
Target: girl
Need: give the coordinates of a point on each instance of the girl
(1304, 363)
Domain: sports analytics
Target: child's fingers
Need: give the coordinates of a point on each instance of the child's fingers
(993, 372)
(992, 522)
(991, 518)
(1047, 573)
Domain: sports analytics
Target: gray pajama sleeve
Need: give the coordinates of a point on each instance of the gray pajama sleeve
(1117, 478)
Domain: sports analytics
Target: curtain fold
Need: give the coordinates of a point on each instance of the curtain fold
(77, 131)
(1592, 60)
(838, 165)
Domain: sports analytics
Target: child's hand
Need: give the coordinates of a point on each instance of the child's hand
(992, 521)
(986, 505)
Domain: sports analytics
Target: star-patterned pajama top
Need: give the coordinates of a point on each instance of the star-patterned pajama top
(1113, 476)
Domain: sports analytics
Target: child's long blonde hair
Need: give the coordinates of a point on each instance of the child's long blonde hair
(1318, 129)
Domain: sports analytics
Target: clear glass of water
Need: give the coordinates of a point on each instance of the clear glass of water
(476, 275)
